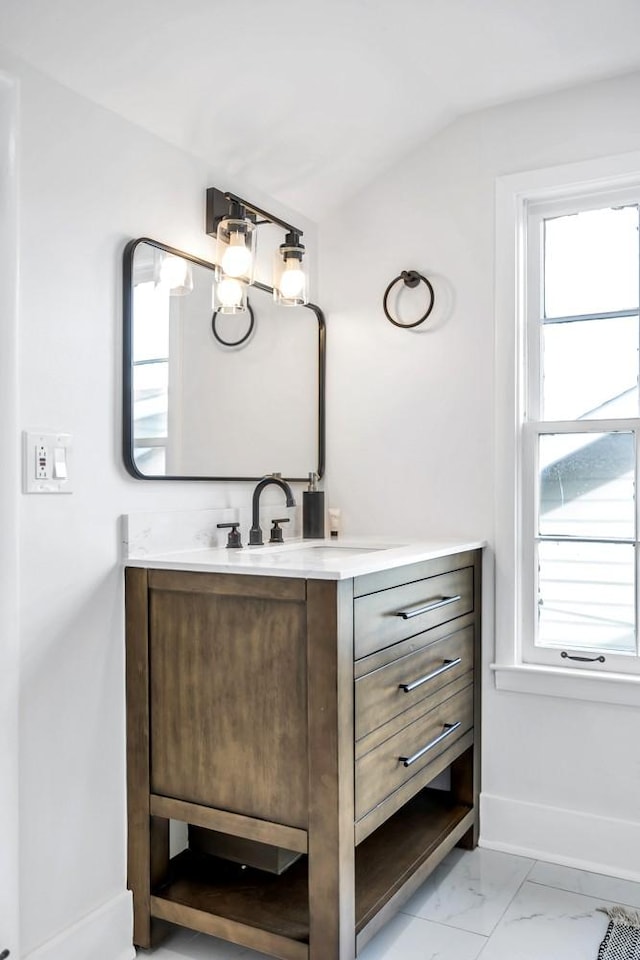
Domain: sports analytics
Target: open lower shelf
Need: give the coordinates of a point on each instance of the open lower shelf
(221, 893)
(256, 898)
(391, 855)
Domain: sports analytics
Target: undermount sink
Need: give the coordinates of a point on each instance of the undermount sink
(311, 552)
(330, 551)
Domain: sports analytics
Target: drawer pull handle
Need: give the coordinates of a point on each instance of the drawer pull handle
(426, 607)
(447, 665)
(448, 730)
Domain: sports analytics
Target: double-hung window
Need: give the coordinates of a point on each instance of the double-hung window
(580, 433)
(568, 436)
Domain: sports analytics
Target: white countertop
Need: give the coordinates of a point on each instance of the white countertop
(309, 559)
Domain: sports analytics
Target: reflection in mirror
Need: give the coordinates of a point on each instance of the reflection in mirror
(218, 397)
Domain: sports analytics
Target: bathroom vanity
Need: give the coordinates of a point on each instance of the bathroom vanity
(293, 705)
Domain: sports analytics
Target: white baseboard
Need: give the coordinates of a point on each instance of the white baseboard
(104, 934)
(568, 837)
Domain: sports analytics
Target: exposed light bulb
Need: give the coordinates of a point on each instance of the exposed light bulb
(236, 260)
(292, 280)
(289, 276)
(230, 292)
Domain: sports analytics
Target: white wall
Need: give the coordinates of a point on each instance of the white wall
(89, 181)
(411, 436)
(8, 522)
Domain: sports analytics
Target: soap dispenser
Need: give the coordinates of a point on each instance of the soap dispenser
(313, 510)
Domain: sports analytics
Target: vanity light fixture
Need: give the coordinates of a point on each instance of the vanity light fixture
(233, 221)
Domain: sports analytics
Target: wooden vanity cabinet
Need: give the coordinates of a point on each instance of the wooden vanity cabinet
(309, 716)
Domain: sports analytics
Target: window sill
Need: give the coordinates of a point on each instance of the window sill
(597, 687)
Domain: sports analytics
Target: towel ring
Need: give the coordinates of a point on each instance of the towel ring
(233, 343)
(411, 278)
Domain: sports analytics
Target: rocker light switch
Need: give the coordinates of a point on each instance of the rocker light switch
(46, 466)
(60, 463)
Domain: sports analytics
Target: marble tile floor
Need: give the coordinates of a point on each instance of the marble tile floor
(477, 905)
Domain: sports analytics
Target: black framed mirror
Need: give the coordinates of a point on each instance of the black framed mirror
(210, 396)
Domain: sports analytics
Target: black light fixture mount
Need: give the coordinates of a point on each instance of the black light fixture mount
(221, 204)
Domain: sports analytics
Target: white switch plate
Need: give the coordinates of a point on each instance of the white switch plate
(46, 458)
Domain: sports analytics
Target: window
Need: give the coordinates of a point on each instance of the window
(567, 431)
(579, 434)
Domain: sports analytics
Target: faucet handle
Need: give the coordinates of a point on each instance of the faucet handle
(233, 540)
(276, 532)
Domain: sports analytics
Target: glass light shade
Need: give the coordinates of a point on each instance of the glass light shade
(236, 249)
(290, 282)
(175, 274)
(229, 295)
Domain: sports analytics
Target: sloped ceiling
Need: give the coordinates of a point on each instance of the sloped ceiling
(310, 100)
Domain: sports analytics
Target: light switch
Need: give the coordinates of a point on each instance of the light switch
(60, 463)
(46, 462)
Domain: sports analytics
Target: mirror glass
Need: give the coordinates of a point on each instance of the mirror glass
(211, 396)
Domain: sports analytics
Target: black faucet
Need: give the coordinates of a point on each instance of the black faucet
(255, 534)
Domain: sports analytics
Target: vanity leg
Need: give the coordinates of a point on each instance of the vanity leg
(463, 791)
(465, 771)
(148, 837)
(331, 770)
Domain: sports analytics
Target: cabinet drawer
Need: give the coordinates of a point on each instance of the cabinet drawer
(389, 616)
(391, 764)
(396, 687)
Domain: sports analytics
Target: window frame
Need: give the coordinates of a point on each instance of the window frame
(603, 182)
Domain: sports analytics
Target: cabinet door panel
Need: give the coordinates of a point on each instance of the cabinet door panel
(228, 703)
